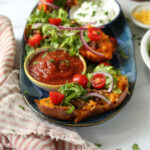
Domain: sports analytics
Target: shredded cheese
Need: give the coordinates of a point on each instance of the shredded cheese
(142, 16)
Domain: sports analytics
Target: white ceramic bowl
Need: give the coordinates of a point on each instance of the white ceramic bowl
(137, 8)
(144, 48)
(110, 4)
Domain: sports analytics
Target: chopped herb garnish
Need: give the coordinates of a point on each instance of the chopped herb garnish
(93, 3)
(94, 13)
(133, 36)
(13, 130)
(51, 60)
(135, 147)
(122, 54)
(65, 61)
(35, 62)
(44, 55)
(47, 102)
(20, 106)
(25, 92)
(82, 15)
(101, 21)
(149, 49)
(98, 145)
(127, 19)
(106, 13)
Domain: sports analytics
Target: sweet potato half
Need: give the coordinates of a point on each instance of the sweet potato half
(84, 109)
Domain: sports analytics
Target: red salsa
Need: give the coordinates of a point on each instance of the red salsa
(55, 67)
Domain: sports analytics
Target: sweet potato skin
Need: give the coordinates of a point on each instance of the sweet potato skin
(57, 112)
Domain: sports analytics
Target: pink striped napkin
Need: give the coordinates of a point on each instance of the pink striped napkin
(20, 127)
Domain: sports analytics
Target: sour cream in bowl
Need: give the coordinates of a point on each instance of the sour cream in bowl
(98, 12)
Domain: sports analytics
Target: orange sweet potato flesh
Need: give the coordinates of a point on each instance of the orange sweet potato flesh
(89, 109)
(105, 47)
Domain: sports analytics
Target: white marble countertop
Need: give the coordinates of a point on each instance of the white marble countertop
(132, 124)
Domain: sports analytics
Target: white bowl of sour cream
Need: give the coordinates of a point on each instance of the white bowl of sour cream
(98, 12)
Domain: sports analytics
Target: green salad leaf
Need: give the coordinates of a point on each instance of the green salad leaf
(71, 91)
(38, 16)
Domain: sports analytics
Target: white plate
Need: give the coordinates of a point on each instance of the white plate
(137, 8)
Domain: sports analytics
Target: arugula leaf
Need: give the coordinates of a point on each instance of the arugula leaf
(72, 91)
(135, 147)
(70, 110)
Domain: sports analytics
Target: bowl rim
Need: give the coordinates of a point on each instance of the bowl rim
(117, 16)
(41, 84)
(144, 49)
(136, 22)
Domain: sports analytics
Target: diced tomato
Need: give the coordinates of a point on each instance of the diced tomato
(94, 34)
(80, 79)
(35, 40)
(54, 21)
(98, 81)
(113, 41)
(56, 97)
(104, 63)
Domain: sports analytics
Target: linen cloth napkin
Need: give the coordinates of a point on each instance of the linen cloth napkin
(20, 127)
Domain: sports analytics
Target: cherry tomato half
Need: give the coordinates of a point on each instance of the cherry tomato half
(56, 97)
(50, 1)
(54, 21)
(98, 81)
(35, 40)
(94, 34)
(80, 79)
(104, 63)
(113, 41)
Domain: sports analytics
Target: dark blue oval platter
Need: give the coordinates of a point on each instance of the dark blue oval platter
(118, 29)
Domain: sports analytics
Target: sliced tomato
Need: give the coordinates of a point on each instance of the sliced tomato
(98, 81)
(54, 21)
(35, 40)
(105, 63)
(56, 97)
(94, 34)
(113, 41)
(80, 79)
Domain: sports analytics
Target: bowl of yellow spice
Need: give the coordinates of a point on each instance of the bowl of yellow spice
(140, 15)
